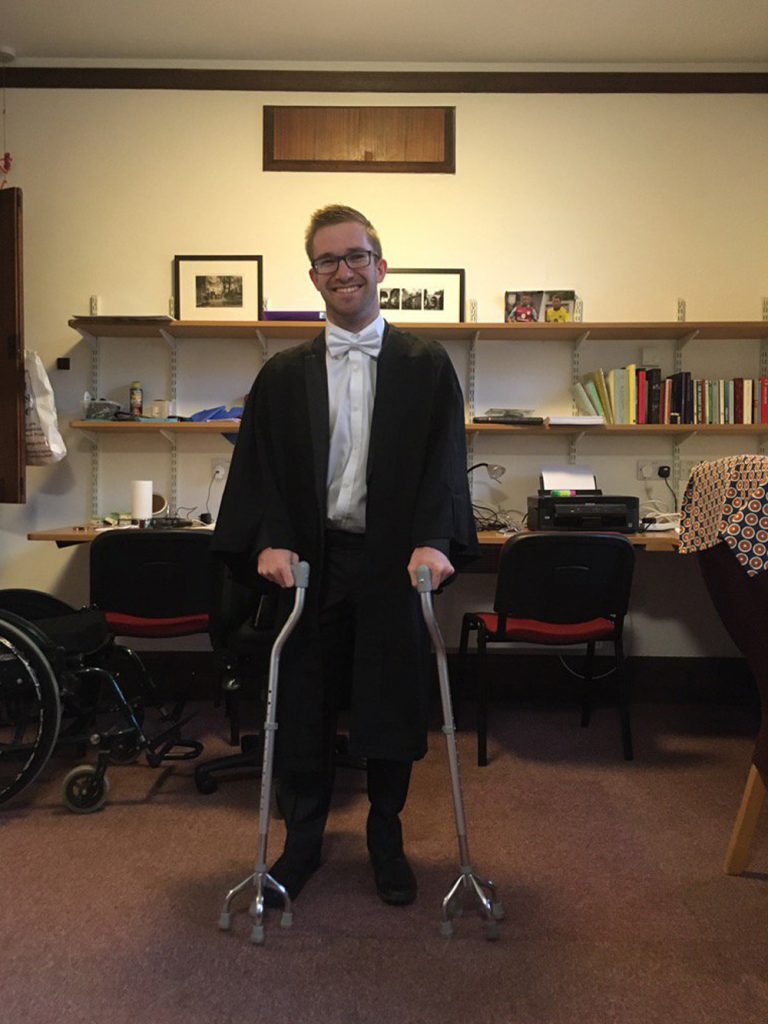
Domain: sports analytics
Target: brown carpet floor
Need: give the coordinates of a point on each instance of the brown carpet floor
(611, 874)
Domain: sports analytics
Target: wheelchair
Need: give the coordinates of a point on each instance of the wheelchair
(66, 682)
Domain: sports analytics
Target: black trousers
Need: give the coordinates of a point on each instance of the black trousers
(304, 797)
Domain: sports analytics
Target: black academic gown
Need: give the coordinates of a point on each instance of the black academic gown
(417, 492)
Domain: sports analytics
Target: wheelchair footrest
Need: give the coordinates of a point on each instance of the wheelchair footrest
(193, 749)
(160, 747)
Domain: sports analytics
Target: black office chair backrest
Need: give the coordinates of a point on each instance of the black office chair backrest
(564, 577)
(151, 575)
(240, 608)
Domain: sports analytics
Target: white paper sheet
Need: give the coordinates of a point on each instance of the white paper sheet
(567, 478)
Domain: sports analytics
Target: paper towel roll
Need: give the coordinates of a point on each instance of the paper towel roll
(141, 499)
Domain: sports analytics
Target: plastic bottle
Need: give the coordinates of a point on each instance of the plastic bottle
(136, 399)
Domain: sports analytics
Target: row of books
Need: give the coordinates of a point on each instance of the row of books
(638, 394)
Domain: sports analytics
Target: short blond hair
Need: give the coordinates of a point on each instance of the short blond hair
(336, 214)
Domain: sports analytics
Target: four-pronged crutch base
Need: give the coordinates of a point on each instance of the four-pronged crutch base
(484, 893)
(259, 880)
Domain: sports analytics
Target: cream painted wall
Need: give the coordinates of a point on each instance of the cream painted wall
(633, 201)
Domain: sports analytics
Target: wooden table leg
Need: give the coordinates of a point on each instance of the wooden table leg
(737, 857)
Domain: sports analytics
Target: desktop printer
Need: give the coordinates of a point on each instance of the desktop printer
(580, 507)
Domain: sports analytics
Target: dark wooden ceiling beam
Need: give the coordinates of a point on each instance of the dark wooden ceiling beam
(387, 81)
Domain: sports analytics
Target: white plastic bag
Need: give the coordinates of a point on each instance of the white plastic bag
(44, 442)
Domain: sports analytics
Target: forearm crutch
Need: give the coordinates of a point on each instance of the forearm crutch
(261, 879)
(468, 881)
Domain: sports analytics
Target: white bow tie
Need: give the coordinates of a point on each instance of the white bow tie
(340, 342)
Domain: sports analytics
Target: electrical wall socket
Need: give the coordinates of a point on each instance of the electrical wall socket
(648, 469)
(220, 468)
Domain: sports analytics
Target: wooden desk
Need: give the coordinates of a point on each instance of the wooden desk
(491, 540)
(64, 536)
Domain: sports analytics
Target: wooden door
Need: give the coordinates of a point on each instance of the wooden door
(12, 450)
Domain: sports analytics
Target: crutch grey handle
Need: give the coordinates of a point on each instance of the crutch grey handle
(424, 579)
(300, 572)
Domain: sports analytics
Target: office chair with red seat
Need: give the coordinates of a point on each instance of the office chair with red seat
(557, 589)
(724, 522)
(243, 624)
(153, 584)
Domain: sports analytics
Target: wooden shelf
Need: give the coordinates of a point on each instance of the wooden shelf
(621, 429)
(563, 430)
(144, 427)
(157, 327)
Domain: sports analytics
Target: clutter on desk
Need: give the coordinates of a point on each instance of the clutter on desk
(569, 499)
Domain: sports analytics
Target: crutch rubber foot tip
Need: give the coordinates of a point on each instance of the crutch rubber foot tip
(225, 921)
(446, 929)
(492, 931)
(497, 909)
(286, 919)
(257, 934)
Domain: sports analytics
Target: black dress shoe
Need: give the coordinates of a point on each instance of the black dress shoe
(395, 881)
(291, 873)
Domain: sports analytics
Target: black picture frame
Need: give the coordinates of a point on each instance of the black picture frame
(220, 288)
(423, 295)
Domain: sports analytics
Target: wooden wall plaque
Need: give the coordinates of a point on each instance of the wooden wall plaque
(393, 139)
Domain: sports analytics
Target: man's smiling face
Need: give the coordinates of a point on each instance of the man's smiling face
(351, 296)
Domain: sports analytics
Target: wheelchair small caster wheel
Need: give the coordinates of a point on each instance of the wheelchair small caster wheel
(257, 935)
(492, 931)
(446, 929)
(497, 909)
(225, 921)
(286, 919)
(84, 791)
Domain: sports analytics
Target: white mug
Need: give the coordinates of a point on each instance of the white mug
(160, 408)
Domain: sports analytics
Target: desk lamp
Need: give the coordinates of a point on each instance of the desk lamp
(486, 518)
(495, 472)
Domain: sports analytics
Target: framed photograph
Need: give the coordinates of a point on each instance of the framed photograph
(217, 287)
(423, 296)
(532, 306)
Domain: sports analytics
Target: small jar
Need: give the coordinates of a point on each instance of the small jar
(136, 399)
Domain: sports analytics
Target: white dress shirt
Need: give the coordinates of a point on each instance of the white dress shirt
(351, 366)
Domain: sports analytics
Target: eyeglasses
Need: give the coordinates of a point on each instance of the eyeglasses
(355, 261)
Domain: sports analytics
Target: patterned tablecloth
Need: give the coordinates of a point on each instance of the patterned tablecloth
(727, 500)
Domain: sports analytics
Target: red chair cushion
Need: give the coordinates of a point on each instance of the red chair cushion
(549, 632)
(133, 625)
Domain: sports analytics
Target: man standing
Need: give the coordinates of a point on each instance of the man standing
(351, 456)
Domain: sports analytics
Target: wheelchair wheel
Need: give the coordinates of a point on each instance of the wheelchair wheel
(85, 791)
(30, 708)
